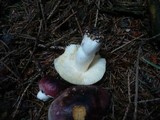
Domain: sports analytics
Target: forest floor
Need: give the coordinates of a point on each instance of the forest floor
(33, 33)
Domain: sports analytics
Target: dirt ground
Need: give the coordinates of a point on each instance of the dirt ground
(34, 32)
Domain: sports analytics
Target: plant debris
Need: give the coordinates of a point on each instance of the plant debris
(34, 32)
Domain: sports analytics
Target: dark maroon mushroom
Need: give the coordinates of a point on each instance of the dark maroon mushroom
(80, 103)
(49, 87)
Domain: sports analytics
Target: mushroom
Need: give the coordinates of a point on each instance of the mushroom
(49, 87)
(75, 102)
(80, 103)
(80, 64)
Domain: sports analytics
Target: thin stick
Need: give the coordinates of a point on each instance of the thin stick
(25, 90)
(125, 115)
(30, 58)
(51, 47)
(150, 63)
(129, 88)
(97, 12)
(151, 38)
(129, 97)
(8, 54)
(51, 13)
(151, 100)
(34, 48)
(60, 39)
(64, 21)
(26, 36)
(10, 70)
(43, 15)
(39, 112)
(126, 44)
(113, 110)
(4, 44)
(136, 84)
(80, 29)
(37, 63)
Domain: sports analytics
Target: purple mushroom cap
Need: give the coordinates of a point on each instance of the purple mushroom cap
(80, 103)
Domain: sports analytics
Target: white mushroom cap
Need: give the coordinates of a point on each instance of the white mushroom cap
(79, 64)
(42, 96)
(67, 68)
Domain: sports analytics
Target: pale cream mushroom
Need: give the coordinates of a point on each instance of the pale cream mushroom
(80, 64)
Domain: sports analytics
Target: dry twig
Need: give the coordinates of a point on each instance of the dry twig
(136, 84)
(31, 80)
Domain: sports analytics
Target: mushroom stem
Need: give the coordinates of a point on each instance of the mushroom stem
(86, 52)
(42, 96)
(79, 112)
